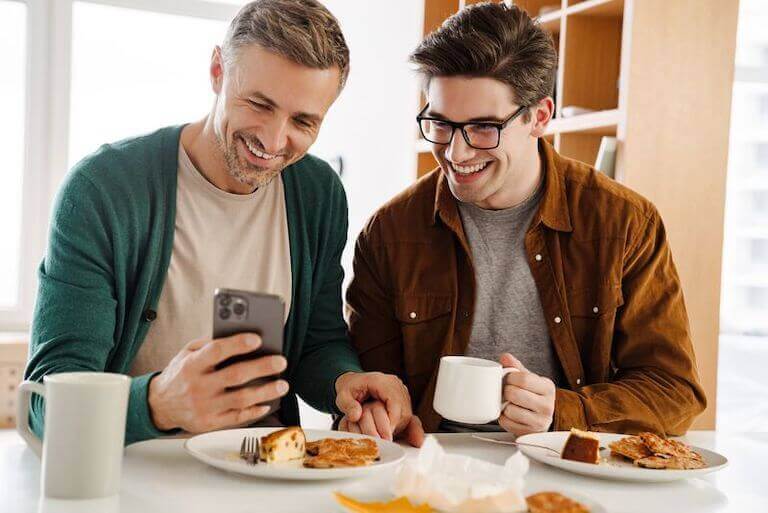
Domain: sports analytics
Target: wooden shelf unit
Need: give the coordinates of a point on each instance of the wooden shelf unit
(658, 75)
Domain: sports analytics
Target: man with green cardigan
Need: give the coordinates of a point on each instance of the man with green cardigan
(145, 229)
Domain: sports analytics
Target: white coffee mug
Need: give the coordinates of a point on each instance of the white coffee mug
(469, 390)
(82, 448)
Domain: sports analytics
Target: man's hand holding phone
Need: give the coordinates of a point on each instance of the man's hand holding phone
(191, 394)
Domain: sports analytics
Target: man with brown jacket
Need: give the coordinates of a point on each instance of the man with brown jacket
(510, 251)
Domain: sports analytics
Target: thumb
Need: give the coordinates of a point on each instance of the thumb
(507, 360)
(349, 406)
(414, 432)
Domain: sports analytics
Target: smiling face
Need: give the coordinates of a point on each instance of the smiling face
(495, 178)
(268, 112)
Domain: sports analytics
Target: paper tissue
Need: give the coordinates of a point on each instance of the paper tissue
(455, 483)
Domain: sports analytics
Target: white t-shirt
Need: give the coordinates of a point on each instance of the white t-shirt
(221, 240)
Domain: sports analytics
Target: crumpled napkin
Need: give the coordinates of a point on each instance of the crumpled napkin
(455, 483)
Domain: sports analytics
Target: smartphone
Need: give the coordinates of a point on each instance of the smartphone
(240, 311)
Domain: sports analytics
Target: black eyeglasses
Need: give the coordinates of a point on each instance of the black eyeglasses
(479, 135)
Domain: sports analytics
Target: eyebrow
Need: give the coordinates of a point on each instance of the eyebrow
(316, 118)
(481, 119)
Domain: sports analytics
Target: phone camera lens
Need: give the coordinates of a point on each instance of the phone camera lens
(225, 300)
(224, 313)
(239, 308)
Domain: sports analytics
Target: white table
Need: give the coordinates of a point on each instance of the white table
(158, 476)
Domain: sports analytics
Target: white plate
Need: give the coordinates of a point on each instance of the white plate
(612, 467)
(220, 449)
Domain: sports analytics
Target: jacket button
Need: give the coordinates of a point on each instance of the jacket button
(595, 309)
(150, 315)
(578, 381)
(412, 315)
(558, 320)
(538, 258)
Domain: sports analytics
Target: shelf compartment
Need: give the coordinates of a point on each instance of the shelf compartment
(598, 123)
(596, 8)
(591, 61)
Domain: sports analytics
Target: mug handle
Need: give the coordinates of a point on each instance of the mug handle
(26, 389)
(504, 372)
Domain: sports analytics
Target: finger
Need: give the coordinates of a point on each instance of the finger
(529, 381)
(218, 350)
(245, 372)
(348, 405)
(239, 417)
(354, 427)
(513, 427)
(524, 398)
(367, 424)
(381, 419)
(507, 360)
(395, 409)
(343, 424)
(414, 432)
(522, 416)
(249, 396)
(196, 344)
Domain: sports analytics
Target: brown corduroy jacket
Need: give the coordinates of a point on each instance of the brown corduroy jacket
(603, 269)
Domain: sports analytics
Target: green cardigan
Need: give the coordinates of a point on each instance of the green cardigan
(110, 244)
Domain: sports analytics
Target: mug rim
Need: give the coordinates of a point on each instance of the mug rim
(87, 378)
(471, 361)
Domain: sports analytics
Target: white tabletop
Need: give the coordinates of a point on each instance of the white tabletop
(158, 476)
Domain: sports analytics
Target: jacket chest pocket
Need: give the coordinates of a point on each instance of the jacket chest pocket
(425, 322)
(593, 315)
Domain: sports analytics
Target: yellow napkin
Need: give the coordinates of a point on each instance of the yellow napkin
(401, 505)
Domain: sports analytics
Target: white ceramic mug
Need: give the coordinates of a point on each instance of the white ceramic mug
(82, 448)
(469, 390)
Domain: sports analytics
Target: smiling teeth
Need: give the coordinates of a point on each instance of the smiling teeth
(260, 154)
(468, 170)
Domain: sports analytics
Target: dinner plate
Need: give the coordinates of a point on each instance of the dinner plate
(612, 467)
(220, 449)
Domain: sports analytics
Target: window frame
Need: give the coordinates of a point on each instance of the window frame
(47, 122)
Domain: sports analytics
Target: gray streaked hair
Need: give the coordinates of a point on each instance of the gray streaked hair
(303, 31)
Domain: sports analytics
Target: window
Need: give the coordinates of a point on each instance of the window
(743, 319)
(12, 109)
(154, 80)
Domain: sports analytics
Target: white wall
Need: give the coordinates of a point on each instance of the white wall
(372, 125)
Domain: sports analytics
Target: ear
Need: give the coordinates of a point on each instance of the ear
(217, 70)
(542, 113)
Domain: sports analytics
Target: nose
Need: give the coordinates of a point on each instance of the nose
(274, 137)
(458, 150)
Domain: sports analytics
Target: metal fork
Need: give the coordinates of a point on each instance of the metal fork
(519, 444)
(249, 450)
(515, 444)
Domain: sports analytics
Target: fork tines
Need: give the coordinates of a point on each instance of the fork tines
(249, 450)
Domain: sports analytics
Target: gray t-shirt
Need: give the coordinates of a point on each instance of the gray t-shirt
(508, 316)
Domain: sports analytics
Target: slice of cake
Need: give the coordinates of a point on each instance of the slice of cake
(582, 446)
(283, 445)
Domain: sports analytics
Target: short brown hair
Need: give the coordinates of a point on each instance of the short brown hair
(303, 31)
(496, 41)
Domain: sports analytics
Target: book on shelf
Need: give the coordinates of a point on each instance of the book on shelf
(606, 156)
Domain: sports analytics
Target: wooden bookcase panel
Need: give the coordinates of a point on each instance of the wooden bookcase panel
(436, 11)
(591, 62)
(425, 163)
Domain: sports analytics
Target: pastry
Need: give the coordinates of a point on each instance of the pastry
(553, 502)
(582, 446)
(631, 447)
(283, 445)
